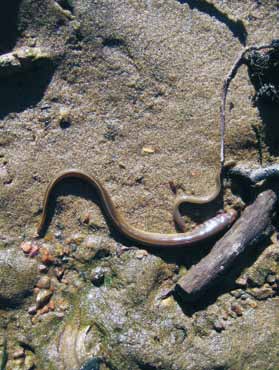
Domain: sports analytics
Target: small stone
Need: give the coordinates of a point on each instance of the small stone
(262, 293)
(86, 218)
(46, 256)
(19, 353)
(34, 251)
(43, 297)
(58, 234)
(64, 117)
(44, 282)
(59, 272)
(62, 304)
(237, 293)
(32, 310)
(140, 254)
(147, 150)
(244, 296)
(252, 303)
(122, 165)
(36, 290)
(60, 315)
(271, 279)
(241, 282)
(29, 362)
(51, 305)
(42, 268)
(77, 238)
(225, 316)
(26, 247)
(43, 310)
(166, 302)
(97, 276)
(235, 307)
(219, 325)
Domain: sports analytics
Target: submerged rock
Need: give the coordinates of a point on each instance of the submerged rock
(18, 275)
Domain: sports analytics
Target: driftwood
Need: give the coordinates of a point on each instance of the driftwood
(254, 221)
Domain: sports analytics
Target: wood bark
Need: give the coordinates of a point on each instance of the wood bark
(254, 221)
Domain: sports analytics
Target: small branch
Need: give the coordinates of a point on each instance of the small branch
(238, 62)
(254, 221)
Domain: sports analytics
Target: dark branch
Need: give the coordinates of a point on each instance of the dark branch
(254, 222)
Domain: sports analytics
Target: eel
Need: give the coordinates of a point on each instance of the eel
(201, 233)
(191, 199)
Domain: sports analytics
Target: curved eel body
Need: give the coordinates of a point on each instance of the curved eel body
(201, 233)
(178, 219)
(191, 199)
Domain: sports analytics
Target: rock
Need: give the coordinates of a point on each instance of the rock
(21, 59)
(241, 282)
(19, 353)
(18, 275)
(43, 297)
(42, 268)
(219, 325)
(140, 254)
(262, 293)
(235, 307)
(26, 247)
(97, 276)
(64, 117)
(44, 282)
(32, 310)
(271, 279)
(93, 247)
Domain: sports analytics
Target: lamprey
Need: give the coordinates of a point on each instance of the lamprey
(200, 233)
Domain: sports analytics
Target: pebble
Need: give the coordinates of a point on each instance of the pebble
(29, 362)
(32, 310)
(77, 238)
(44, 282)
(97, 276)
(46, 257)
(42, 268)
(26, 247)
(271, 279)
(43, 310)
(86, 218)
(51, 305)
(252, 303)
(147, 150)
(140, 254)
(262, 293)
(60, 315)
(43, 297)
(59, 272)
(64, 117)
(219, 325)
(34, 251)
(241, 282)
(244, 296)
(19, 353)
(235, 307)
(237, 293)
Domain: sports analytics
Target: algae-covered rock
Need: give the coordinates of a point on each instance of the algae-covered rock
(18, 276)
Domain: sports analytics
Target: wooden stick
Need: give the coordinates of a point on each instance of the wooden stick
(250, 226)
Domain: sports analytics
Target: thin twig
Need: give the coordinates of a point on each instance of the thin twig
(238, 62)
